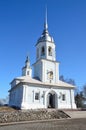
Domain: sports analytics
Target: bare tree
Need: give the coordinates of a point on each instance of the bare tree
(69, 80)
(4, 101)
(84, 90)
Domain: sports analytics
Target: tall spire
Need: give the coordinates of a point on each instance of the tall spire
(27, 59)
(45, 35)
(46, 24)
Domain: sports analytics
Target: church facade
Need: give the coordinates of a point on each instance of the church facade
(44, 89)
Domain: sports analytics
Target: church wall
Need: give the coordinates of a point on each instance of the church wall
(38, 70)
(30, 102)
(43, 67)
(47, 67)
(64, 103)
(69, 99)
(16, 96)
(73, 105)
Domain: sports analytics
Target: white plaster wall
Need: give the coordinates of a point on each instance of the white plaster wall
(38, 70)
(50, 66)
(24, 97)
(66, 103)
(29, 101)
(42, 67)
(73, 105)
(16, 96)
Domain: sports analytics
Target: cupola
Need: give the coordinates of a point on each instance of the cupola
(26, 70)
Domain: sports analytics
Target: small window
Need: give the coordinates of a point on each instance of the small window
(63, 97)
(36, 96)
(42, 51)
(27, 72)
(50, 51)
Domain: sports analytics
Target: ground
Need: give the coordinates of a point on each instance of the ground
(6, 109)
(8, 115)
(76, 122)
(63, 124)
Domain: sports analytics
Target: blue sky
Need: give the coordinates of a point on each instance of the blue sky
(21, 24)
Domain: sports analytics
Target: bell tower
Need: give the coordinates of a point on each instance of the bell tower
(46, 68)
(45, 47)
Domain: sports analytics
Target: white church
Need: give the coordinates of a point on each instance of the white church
(44, 89)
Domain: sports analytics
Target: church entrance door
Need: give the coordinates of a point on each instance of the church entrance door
(51, 100)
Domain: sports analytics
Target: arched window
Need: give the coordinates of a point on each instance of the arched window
(49, 51)
(42, 51)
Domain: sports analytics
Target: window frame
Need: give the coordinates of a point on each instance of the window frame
(37, 96)
(63, 97)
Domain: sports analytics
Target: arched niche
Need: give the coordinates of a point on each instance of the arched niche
(50, 51)
(42, 51)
